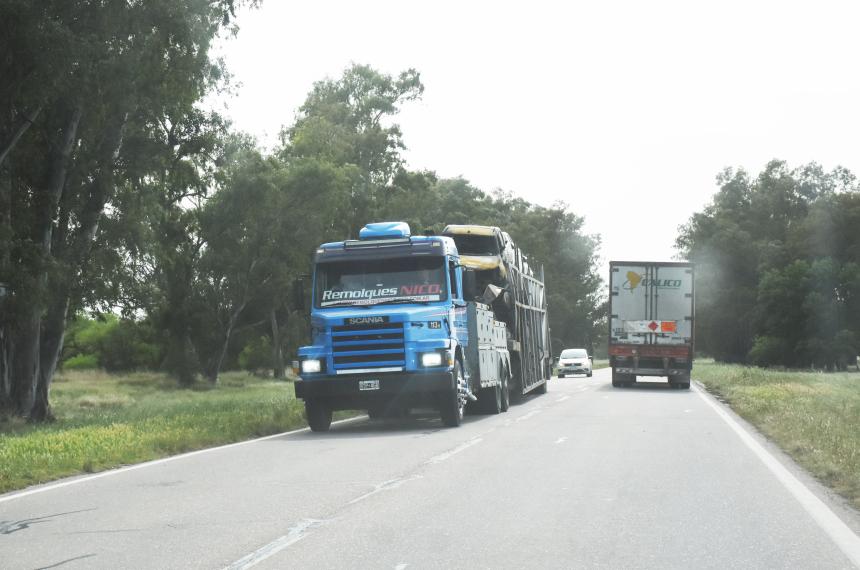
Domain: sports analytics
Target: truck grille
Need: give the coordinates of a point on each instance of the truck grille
(368, 346)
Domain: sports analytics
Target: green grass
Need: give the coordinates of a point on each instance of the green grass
(814, 417)
(105, 421)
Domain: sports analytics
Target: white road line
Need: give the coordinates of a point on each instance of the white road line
(831, 524)
(528, 415)
(561, 439)
(22, 494)
(401, 567)
(294, 535)
(562, 399)
(448, 454)
(384, 486)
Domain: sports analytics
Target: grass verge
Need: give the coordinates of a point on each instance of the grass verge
(814, 417)
(105, 421)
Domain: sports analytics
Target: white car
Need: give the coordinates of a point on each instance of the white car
(574, 361)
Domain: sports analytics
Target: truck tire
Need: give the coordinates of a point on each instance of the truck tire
(561, 375)
(506, 395)
(452, 403)
(619, 380)
(684, 383)
(492, 400)
(319, 415)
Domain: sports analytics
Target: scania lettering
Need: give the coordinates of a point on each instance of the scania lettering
(651, 308)
(397, 323)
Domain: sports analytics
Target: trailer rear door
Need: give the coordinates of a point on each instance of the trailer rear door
(651, 303)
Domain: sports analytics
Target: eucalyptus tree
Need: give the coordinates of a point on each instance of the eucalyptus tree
(96, 72)
(777, 260)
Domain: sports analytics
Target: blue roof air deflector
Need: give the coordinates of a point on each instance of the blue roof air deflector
(385, 230)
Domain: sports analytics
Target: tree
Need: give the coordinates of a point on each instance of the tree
(96, 72)
(776, 266)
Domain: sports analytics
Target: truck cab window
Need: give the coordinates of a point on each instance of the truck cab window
(455, 289)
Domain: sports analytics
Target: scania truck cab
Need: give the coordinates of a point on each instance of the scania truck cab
(391, 330)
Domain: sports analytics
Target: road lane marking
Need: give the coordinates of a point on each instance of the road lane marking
(384, 486)
(561, 439)
(829, 522)
(528, 415)
(451, 452)
(50, 487)
(295, 534)
(562, 399)
(401, 567)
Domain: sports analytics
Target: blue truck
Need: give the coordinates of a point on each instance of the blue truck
(398, 322)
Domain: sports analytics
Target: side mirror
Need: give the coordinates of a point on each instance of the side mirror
(299, 294)
(470, 286)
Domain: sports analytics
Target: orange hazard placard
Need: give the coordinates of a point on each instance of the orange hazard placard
(668, 326)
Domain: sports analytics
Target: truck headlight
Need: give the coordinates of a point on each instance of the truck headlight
(311, 366)
(431, 359)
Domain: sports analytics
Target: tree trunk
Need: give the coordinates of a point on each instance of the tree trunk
(25, 363)
(53, 334)
(277, 349)
(29, 118)
(5, 274)
(5, 368)
(215, 369)
(179, 360)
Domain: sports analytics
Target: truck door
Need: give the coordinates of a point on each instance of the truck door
(651, 304)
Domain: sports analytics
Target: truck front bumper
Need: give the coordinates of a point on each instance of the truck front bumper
(344, 392)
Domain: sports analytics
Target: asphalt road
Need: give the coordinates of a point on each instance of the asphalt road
(586, 476)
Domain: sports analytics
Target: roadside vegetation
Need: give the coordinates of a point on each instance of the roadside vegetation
(107, 420)
(778, 267)
(813, 416)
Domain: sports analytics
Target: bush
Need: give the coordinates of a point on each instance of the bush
(257, 354)
(116, 344)
(126, 346)
(769, 350)
(81, 362)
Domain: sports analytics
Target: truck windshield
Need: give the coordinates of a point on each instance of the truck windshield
(476, 245)
(371, 282)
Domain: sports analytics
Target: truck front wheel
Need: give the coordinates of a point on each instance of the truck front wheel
(453, 402)
(319, 415)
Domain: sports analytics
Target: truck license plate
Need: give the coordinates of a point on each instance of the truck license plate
(368, 384)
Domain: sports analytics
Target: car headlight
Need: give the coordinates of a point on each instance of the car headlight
(311, 366)
(431, 359)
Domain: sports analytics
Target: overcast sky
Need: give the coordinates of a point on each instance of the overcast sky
(624, 110)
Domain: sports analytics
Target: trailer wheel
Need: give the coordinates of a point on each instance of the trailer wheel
(618, 380)
(506, 395)
(492, 400)
(684, 384)
(452, 403)
(319, 415)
